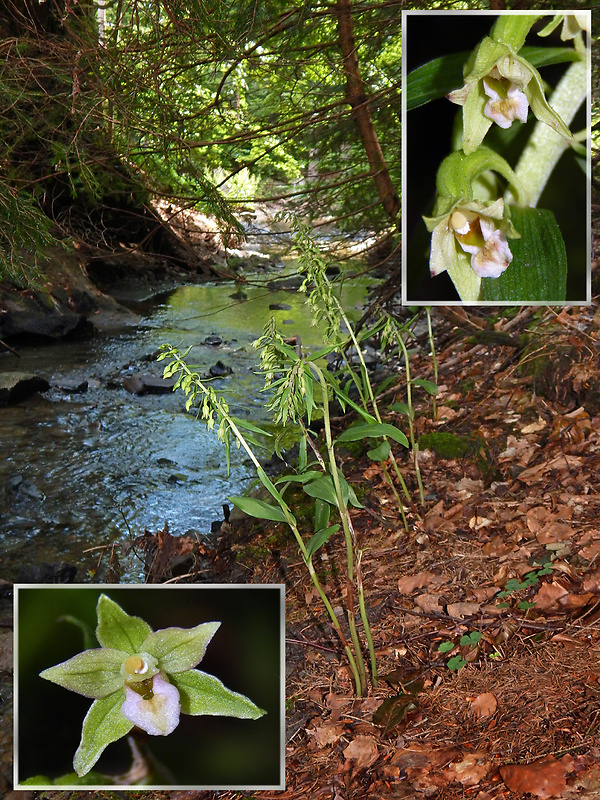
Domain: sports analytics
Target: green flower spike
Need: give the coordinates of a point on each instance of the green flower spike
(500, 86)
(144, 678)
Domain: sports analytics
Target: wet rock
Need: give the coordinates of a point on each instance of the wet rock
(6, 651)
(213, 340)
(147, 384)
(70, 385)
(18, 386)
(58, 572)
(280, 306)
(32, 326)
(219, 370)
(291, 283)
(21, 489)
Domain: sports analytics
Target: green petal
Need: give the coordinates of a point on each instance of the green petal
(93, 673)
(180, 649)
(103, 725)
(201, 693)
(118, 629)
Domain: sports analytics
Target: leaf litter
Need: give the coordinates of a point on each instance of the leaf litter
(499, 576)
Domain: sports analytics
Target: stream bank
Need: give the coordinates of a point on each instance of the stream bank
(106, 451)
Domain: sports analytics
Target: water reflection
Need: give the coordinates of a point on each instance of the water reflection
(82, 469)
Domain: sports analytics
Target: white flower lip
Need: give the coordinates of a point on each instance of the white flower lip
(504, 110)
(157, 715)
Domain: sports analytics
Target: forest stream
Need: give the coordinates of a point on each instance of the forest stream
(90, 462)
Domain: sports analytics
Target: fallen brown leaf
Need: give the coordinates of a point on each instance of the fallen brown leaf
(409, 583)
(484, 705)
(363, 750)
(428, 602)
(470, 771)
(544, 778)
(463, 609)
(548, 595)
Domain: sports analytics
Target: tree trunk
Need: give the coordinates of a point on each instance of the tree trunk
(357, 98)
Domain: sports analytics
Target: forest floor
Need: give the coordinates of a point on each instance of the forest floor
(485, 609)
(500, 567)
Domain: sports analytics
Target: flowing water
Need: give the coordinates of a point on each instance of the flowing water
(82, 469)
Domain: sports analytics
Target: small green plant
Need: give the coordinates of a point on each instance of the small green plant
(469, 640)
(517, 585)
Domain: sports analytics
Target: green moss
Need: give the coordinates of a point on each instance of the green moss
(446, 445)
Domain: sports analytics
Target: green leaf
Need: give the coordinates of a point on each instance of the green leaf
(429, 386)
(322, 514)
(373, 430)
(380, 453)
(445, 647)
(470, 638)
(525, 605)
(303, 477)
(324, 489)
(393, 710)
(437, 78)
(258, 508)
(201, 693)
(402, 408)
(118, 629)
(320, 538)
(179, 649)
(93, 673)
(102, 725)
(538, 271)
(456, 663)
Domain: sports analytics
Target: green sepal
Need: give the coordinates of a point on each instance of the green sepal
(466, 281)
(102, 725)
(93, 673)
(118, 629)
(180, 649)
(201, 693)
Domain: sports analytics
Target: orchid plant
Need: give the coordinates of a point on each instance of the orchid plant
(486, 230)
(142, 679)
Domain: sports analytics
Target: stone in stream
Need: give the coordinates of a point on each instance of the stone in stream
(17, 386)
(22, 489)
(70, 385)
(280, 306)
(213, 340)
(147, 384)
(219, 370)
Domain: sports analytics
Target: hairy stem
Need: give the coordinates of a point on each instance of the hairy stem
(545, 146)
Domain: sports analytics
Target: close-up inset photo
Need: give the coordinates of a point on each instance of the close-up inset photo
(496, 157)
(146, 686)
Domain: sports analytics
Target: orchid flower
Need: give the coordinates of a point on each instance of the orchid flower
(500, 87)
(475, 228)
(144, 678)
